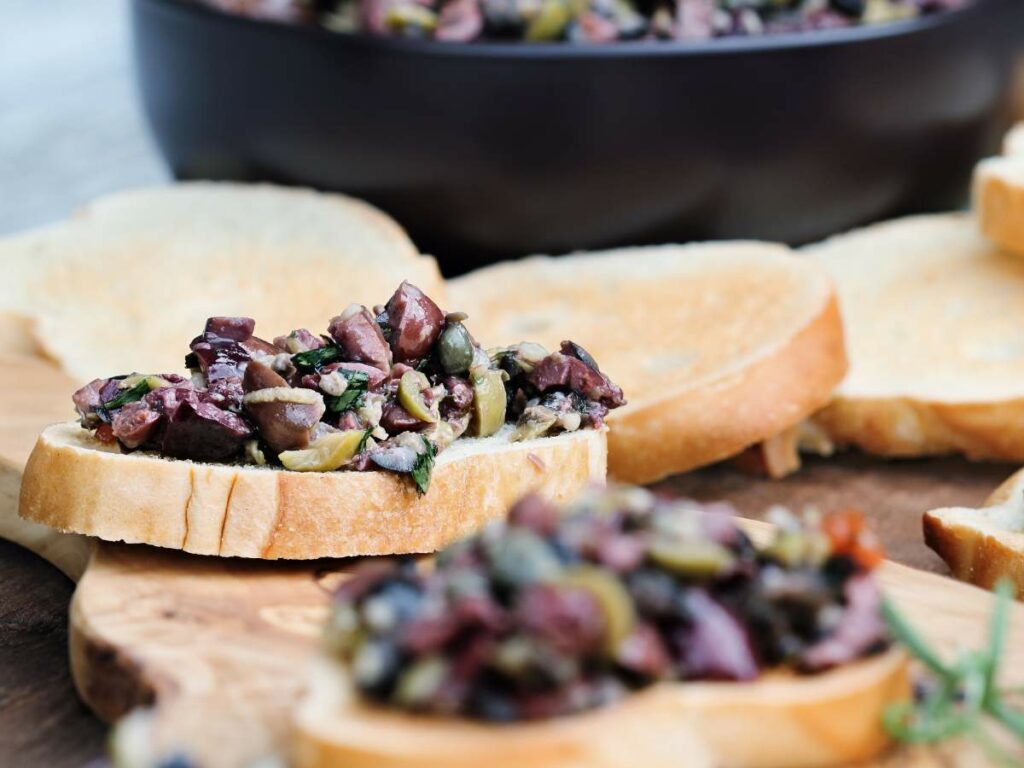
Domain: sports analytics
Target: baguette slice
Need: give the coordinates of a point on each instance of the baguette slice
(128, 281)
(999, 201)
(717, 346)
(73, 482)
(1013, 142)
(982, 546)
(933, 319)
(779, 722)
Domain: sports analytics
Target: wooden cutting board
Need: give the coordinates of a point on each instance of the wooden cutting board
(218, 649)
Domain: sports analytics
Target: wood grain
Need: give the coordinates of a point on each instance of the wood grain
(222, 647)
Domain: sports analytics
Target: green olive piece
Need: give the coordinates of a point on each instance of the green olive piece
(455, 349)
(550, 22)
(411, 16)
(488, 403)
(326, 454)
(691, 558)
(410, 396)
(420, 682)
(611, 595)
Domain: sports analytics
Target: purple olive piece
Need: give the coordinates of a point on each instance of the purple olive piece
(360, 338)
(233, 328)
(203, 432)
(135, 424)
(559, 370)
(284, 416)
(715, 647)
(415, 322)
(261, 376)
(396, 419)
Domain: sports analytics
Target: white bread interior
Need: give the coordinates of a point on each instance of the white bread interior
(998, 194)
(717, 346)
(123, 285)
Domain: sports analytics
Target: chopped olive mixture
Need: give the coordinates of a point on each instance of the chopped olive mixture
(387, 389)
(559, 611)
(582, 21)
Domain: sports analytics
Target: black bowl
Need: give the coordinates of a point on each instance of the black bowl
(489, 150)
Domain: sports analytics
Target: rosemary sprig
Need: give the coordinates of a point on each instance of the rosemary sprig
(964, 695)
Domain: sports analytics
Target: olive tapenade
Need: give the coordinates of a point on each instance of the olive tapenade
(582, 21)
(387, 389)
(557, 612)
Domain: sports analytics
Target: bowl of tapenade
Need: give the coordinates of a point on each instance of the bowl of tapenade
(493, 128)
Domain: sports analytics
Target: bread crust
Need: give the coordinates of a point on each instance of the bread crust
(999, 201)
(903, 427)
(73, 482)
(711, 423)
(977, 555)
(830, 719)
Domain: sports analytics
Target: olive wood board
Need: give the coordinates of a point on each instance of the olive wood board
(218, 649)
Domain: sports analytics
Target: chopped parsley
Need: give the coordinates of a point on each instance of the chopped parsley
(358, 383)
(130, 395)
(362, 442)
(424, 466)
(315, 359)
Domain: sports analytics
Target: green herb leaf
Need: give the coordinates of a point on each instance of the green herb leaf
(315, 359)
(130, 395)
(424, 466)
(358, 383)
(362, 443)
(964, 693)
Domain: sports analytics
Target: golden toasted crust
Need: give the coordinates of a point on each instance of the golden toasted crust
(75, 483)
(829, 719)
(717, 346)
(982, 546)
(903, 427)
(999, 201)
(712, 423)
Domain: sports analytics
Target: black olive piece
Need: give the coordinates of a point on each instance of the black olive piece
(573, 349)
(854, 8)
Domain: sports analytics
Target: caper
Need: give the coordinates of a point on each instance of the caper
(488, 403)
(410, 396)
(550, 22)
(326, 454)
(613, 597)
(691, 558)
(455, 349)
(419, 683)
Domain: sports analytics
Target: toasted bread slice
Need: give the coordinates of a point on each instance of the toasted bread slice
(999, 201)
(1013, 142)
(781, 721)
(982, 546)
(123, 285)
(73, 482)
(933, 316)
(717, 346)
